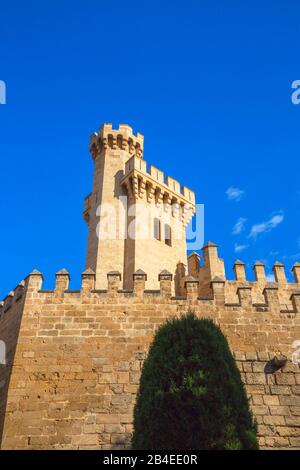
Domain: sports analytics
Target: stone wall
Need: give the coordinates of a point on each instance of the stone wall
(11, 312)
(77, 357)
(275, 400)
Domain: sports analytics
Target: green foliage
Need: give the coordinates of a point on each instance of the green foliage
(191, 395)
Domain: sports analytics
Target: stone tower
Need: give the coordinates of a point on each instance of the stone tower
(136, 218)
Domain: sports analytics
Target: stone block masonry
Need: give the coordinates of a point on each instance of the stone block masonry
(154, 203)
(75, 357)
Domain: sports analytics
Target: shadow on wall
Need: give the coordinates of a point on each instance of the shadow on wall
(10, 322)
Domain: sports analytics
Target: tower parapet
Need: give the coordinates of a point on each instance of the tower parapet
(153, 186)
(121, 138)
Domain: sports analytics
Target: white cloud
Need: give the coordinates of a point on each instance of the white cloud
(234, 194)
(239, 226)
(266, 226)
(239, 248)
(270, 277)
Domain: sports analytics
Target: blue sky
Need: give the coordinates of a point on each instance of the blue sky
(207, 83)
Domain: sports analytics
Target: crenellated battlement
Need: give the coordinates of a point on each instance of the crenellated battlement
(153, 186)
(255, 296)
(12, 298)
(121, 138)
(80, 352)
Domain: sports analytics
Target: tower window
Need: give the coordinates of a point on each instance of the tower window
(168, 235)
(156, 228)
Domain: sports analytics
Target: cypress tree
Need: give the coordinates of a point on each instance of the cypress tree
(191, 395)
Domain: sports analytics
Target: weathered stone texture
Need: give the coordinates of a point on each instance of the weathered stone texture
(74, 358)
(77, 359)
